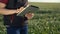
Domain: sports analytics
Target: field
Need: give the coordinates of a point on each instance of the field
(45, 21)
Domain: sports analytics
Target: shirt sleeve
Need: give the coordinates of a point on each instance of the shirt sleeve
(4, 1)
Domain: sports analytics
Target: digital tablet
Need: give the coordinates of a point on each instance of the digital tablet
(28, 9)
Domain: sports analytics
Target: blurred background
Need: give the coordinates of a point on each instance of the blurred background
(45, 21)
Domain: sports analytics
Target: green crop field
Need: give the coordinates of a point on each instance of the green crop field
(45, 21)
(46, 6)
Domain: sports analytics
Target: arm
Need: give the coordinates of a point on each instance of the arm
(4, 11)
(7, 12)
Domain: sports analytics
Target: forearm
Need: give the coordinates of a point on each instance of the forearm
(7, 12)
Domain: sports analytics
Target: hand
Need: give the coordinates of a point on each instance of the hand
(29, 15)
(19, 10)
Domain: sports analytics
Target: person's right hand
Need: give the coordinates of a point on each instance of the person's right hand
(19, 10)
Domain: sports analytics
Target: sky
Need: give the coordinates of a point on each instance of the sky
(58, 1)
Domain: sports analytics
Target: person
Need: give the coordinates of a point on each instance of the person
(14, 24)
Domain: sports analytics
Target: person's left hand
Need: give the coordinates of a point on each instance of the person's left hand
(29, 15)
